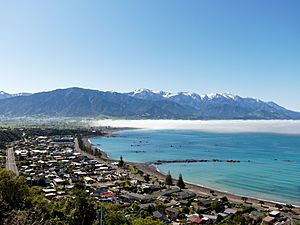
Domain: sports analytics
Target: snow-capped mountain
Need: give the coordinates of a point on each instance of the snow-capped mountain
(153, 95)
(186, 98)
(218, 105)
(4, 95)
(141, 103)
(147, 94)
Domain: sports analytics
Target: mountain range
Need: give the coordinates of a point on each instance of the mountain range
(141, 103)
(4, 95)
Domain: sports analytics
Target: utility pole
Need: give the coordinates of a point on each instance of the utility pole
(101, 216)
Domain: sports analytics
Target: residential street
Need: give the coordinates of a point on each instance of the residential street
(10, 161)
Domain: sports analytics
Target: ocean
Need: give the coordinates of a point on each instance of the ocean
(269, 166)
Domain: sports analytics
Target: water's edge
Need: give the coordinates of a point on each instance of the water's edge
(225, 190)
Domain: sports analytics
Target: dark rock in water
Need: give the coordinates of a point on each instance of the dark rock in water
(288, 161)
(137, 151)
(159, 162)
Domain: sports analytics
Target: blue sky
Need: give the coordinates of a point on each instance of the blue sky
(250, 48)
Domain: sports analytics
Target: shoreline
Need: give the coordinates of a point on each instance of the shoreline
(204, 190)
(199, 189)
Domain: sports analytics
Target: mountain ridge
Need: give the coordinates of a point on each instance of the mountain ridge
(4, 94)
(141, 103)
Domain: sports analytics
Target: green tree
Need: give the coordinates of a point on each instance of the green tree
(224, 199)
(147, 177)
(217, 206)
(82, 208)
(235, 220)
(169, 180)
(115, 218)
(121, 162)
(180, 182)
(148, 221)
(244, 199)
(261, 203)
(278, 206)
(13, 190)
(39, 208)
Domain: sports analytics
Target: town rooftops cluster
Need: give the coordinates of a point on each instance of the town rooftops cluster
(57, 165)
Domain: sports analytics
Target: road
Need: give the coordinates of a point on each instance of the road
(11, 162)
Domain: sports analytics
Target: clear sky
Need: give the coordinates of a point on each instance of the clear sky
(249, 48)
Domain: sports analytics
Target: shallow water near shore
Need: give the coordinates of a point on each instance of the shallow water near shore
(269, 166)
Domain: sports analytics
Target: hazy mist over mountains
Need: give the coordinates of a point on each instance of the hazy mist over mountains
(140, 104)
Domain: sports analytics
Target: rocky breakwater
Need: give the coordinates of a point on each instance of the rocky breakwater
(159, 162)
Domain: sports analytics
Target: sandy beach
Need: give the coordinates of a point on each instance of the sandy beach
(202, 190)
(197, 188)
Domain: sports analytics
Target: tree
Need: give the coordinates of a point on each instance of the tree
(234, 220)
(180, 182)
(83, 210)
(224, 199)
(261, 203)
(121, 162)
(289, 206)
(169, 180)
(278, 206)
(244, 199)
(147, 177)
(217, 206)
(147, 221)
(115, 217)
(13, 190)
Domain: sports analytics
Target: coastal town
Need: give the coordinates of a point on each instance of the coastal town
(58, 164)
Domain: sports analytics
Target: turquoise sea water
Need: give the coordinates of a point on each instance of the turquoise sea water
(269, 167)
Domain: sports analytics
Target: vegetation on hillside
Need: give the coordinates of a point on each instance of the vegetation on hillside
(9, 135)
(21, 204)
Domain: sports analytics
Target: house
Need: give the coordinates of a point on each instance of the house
(172, 213)
(199, 208)
(256, 216)
(58, 181)
(108, 194)
(209, 217)
(89, 180)
(274, 214)
(132, 196)
(184, 195)
(160, 216)
(163, 199)
(268, 220)
(98, 192)
(48, 190)
(69, 187)
(103, 193)
(144, 206)
(230, 211)
(204, 202)
(194, 218)
(50, 195)
(222, 215)
(174, 202)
